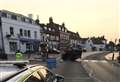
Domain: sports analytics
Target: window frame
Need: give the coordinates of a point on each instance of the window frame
(12, 47)
(21, 32)
(14, 17)
(11, 30)
(42, 78)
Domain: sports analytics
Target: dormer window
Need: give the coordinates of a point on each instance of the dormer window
(30, 21)
(60, 28)
(45, 28)
(23, 19)
(63, 29)
(49, 29)
(14, 17)
(4, 14)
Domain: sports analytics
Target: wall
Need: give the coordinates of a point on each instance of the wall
(7, 23)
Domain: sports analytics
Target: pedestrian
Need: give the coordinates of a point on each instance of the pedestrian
(19, 55)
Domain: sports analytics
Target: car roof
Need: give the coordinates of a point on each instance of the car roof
(10, 70)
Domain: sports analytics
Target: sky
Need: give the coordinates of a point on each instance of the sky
(88, 17)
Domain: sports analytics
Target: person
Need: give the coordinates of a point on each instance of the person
(19, 55)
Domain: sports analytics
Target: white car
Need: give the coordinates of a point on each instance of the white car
(18, 71)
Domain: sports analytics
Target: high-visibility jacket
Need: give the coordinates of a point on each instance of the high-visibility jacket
(19, 56)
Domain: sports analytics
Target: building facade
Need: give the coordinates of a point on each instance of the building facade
(74, 39)
(93, 44)
(64, 37)
(18, 32)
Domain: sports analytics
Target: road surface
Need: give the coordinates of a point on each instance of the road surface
(73, 72)
(102, 70)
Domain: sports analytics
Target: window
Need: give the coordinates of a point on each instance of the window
(29, 34)
(4, 14)
(29, 47)
(11, 31)
(21, 32)
(35, 34)
(30, 21)
(57, 38)
(35, 77)
(60, 28)
(25, 32)
(23, 19)
(45, 28)
(49, 76)
(13, 46)
(49, 29)
(14, 17)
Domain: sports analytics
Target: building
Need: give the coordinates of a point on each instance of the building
(18, 32)
(64, 37)
(55, 35)
(49, 34)
(74, 39)
(99, 43)
(93, 43)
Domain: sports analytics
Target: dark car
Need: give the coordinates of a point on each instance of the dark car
(72, 54)
(18, 71)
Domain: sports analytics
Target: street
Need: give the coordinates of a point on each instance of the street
(92, 69)
(73, 72)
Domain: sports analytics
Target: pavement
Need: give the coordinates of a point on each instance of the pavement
(86, 54)
(109, 56)
(102, 68)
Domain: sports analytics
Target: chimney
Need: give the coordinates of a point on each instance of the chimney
(30, 16)
(37, 16)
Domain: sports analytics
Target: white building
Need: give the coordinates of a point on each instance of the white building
(93, 44)
(18, 32)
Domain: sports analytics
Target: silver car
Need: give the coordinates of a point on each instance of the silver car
(18, 71)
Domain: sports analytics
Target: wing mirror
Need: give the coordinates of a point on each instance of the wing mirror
(59, 78)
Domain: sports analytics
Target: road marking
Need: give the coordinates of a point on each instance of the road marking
(103, 61)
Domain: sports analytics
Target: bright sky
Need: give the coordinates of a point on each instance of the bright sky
(88, 17)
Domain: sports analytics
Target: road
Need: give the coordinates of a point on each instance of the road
(102, 70)
(92, 69)
(73, 72)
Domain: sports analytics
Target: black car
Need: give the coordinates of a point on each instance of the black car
(72, 54)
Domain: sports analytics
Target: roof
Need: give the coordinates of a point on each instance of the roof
(10, 70)
(74, 35)
(15, 13)
(97, 40)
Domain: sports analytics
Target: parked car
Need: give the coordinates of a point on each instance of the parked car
(19, 71)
